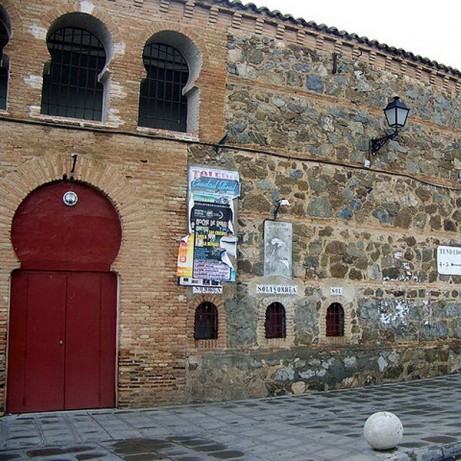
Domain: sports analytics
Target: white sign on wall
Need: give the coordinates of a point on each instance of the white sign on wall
(449, 260)
(336, 291)
(278, 238)
(276, 289)
(207, 290)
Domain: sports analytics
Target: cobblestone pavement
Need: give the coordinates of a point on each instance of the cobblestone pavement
(310, 427)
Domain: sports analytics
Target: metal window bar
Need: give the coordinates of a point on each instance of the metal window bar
(3, 66)
(161, 102)
(206, 321)
(275, 324)
(335, 320)
(72, 89)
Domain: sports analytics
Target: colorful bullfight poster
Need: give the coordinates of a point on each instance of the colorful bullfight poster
(207, 255)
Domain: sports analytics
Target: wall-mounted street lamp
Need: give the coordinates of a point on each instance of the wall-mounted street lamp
(396, 113)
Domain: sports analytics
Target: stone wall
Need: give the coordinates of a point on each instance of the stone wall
(371, 230)
(299, 104)
(243, 375)
(287, 97)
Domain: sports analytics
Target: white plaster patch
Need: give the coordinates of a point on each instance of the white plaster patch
(37, 31)
(307, 374)
(393, 357)
(322, 70)
(280, 44)
(398, 255)
(86, 7)
(409, 200)
(34, 81)
(235, 55)
(298, 387)
(34, 111)
(246, 71)
(350, 362)
(356, 128)
(119, 49)
(117, 90)
(400, 313)
(382, 363)
(328, 124)
(114, 118)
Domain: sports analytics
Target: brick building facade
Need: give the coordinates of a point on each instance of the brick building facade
(290, 107)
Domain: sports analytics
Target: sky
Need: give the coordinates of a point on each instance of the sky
(424, 27)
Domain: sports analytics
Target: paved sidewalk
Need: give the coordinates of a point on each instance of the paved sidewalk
(318, 427)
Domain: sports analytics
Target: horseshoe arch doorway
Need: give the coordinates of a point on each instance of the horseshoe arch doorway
(63, 307)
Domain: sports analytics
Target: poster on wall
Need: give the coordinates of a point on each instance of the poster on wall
(277, 248)
(214, 256)
(207, 255)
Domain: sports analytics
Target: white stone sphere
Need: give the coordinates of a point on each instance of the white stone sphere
(383, 430)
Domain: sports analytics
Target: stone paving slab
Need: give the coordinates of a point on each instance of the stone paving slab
(324, 426)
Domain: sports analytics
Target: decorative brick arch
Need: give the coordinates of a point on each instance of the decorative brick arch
(195, 51)
(289, 305)
(347, 336)
(219, 343)
(38, 171)
(13, 16)
(96, 12)
(152, 30)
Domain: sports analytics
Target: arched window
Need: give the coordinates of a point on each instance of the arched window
(206, 321)
(71, 86)
(4, 37)
(335, 320)
(275, 324)
(162, 103)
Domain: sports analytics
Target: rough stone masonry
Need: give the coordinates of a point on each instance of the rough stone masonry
(299, 104)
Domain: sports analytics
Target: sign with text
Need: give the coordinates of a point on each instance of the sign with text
(210, 224)
(207, 255)
(201, 290)
(336, 291)
(449, 260)
(276, 290)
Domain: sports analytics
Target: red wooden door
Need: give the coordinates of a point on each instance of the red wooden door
(90, 340)
(35, 349)
(62, 329)
(61, 341)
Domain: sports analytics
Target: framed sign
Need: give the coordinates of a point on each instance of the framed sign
(449, 260)
(277, 248)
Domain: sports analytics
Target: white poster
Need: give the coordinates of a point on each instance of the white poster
(278, 248)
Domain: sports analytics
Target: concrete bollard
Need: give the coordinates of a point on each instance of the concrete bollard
(383, 430)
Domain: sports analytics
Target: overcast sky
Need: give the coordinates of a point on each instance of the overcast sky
(427, 28)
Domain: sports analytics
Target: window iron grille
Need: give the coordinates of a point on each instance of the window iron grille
(206, 321)
(162, 103)
(335, 320)
(275, 324)
(3, 66)
(71, 88)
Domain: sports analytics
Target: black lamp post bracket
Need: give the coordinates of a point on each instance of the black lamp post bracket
(377, 143)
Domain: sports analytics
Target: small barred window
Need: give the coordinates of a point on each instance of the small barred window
(162, 103)
(335, 320)
(71, 86)
(206, 321)
(275, 324)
